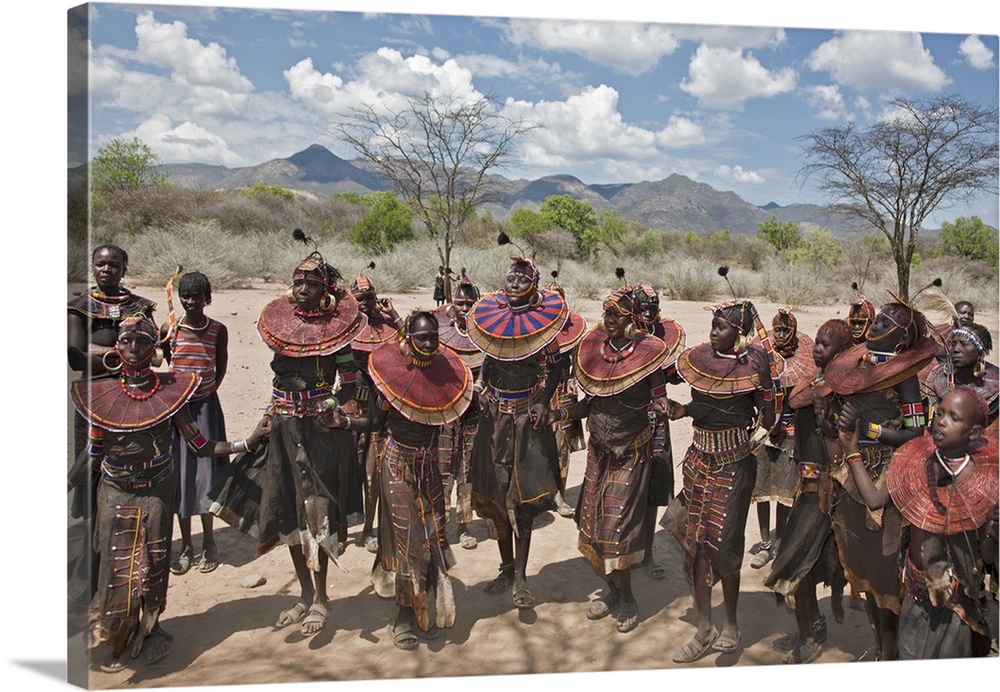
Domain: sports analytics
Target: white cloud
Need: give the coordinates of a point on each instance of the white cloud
(629, 47)
(190, 61)
(976, 53)
(738, 174)
(732, 37)
(880, 60)
(184, 142)
(827, 102)
(586, 133)
(384, 79)
(725, 78)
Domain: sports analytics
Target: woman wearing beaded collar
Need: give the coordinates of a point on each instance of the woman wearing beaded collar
(966, 366)
(421, 386)
(878, 389)
(132, 422)
(515, 461)
(945, 485)
(455, 440)
(305, 474)
(620, 371)
(732, 392)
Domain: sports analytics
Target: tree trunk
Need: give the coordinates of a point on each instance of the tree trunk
(902, 276)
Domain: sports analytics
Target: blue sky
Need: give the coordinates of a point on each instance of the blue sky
(616, 101)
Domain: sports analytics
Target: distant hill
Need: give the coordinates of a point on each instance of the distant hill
(674, 203)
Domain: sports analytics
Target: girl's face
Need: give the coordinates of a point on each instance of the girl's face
(963, 351)
(966, 315)
(884, 335)
(517, 286)
(108, 268)
(723, 335)
(423, 336)
(193, 302)
(826, 346)
(649, 307)
(367, 301)
(615, 323)
(134, 348)
(953, 426)
(308, 290)
(462, 303)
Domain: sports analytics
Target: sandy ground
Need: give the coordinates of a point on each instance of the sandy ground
(224, 635)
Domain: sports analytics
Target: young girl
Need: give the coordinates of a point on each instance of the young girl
(199, 345)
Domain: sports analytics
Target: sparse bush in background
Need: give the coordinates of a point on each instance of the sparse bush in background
(693, 279)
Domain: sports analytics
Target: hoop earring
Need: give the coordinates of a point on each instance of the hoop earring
(980, 368)
(290, 295)
(629, 331)
(104, 361)
(536, 299)
(157, 359)
(404, 346)
(741, 344)
(327, 302)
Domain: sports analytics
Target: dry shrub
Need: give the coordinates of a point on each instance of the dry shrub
(693, 279)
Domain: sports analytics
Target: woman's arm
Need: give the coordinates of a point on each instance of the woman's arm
(221, 356)
(874, 497)
(204, 447)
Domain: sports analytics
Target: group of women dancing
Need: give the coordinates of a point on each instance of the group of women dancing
(376, 414)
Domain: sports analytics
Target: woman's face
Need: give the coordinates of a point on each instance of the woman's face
(517, 286)
(966, 315)
(884, 335)
(826, 346)
(134, 348)
(649, 307)
(423, 336)
(108, 268)
(615, 323)
(308, 290)
(723, 335)
(367, 301)
(782, 335)
(963, 351)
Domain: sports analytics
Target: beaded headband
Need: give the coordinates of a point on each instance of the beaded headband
(971, 336)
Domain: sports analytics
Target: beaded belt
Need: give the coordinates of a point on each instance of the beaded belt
(808, 470)
(916, 582)
(511, 401)
(137, 476)
(306, 402)
(720, 441)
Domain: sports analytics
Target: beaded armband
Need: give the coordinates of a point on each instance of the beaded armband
(873, 431)
(659, 391)
(854, 458)
(95, 442)
(192, 433)
(914, 415)
(346, 366)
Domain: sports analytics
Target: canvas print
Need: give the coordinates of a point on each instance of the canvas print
(446, 347)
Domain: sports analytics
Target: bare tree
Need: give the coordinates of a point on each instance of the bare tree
(436, 151)
(894, 173)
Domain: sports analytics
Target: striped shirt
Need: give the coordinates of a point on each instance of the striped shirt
(194, 350)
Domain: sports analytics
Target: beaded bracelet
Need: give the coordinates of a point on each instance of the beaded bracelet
(853, 458)
(768, 394)
(874, 430)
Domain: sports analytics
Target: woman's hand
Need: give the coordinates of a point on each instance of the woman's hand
(675, 409)
(758, 359)
(260, 433)
(539, 415)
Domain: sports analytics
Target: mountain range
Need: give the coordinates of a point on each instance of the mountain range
(674, 203)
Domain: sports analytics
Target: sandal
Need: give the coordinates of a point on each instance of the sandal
(804, 653)
(467, 540)
(371, 543)
(694, 649)
(628, 617)
(502, 582)
(209, 560)
(727, 642)
(314, 621)
(112, 665)
(403, 637)
(522, 597)
(604, 606)
(763, 556)
(292, 615)
(184, 562)
(565, 510)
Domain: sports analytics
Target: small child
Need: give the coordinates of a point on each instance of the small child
(945, 485)
(200, 345)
